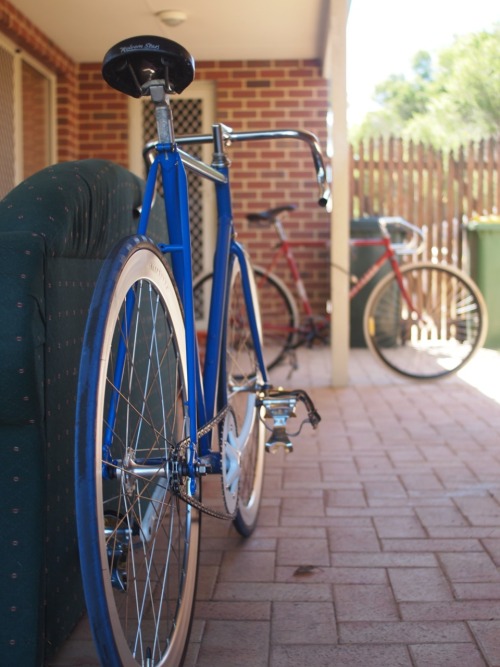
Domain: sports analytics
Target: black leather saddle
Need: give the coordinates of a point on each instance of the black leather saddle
(134, 63)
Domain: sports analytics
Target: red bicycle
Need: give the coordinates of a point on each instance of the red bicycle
(423, 320)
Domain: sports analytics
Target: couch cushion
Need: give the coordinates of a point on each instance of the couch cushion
(81, 208)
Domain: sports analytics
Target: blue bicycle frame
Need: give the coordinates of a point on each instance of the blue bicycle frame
(206, 395)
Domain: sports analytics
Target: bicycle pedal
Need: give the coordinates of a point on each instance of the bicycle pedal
(279, 407)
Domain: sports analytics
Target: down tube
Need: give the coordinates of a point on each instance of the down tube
(249, 294)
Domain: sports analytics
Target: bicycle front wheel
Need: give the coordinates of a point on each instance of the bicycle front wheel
(430, 325)
(138, 539)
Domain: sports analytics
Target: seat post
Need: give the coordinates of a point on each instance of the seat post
(163, 113)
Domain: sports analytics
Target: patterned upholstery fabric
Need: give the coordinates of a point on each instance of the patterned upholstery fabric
(55, 229)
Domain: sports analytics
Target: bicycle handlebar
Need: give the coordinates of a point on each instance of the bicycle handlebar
(416, 243)
(302, 135)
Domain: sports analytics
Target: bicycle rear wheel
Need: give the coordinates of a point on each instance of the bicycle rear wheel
(243, 435)
(438, 334)
(242, 432)
(138, 540)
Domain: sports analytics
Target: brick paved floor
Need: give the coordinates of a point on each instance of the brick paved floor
(378, 543)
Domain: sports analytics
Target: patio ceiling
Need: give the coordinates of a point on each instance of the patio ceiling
(216, 30)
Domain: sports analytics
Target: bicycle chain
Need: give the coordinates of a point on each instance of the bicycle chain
(226, 516)
(181, 448)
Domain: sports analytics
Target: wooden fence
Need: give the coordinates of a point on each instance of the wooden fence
(435, 191)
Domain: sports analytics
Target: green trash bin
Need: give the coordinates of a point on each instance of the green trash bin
(483, 236)
(361, 260)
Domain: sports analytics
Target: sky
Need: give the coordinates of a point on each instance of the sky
(384, 35)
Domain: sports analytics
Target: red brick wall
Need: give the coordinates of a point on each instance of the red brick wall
(68, 141)
(103, 117)
(92, 121)
(268, 95)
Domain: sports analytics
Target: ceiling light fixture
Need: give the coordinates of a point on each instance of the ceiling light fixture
(171, 17)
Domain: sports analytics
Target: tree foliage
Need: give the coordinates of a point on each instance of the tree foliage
(453, 101)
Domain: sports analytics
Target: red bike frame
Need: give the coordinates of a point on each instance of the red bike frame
(285, 248)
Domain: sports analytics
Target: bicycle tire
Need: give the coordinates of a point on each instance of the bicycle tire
(243, 381)
(138, 541)
(279, 314)
(450, 329)
(241, 484)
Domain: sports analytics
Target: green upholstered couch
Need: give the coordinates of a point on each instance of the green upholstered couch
(55, 229)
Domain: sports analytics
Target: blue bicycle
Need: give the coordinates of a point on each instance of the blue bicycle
(151, 422)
